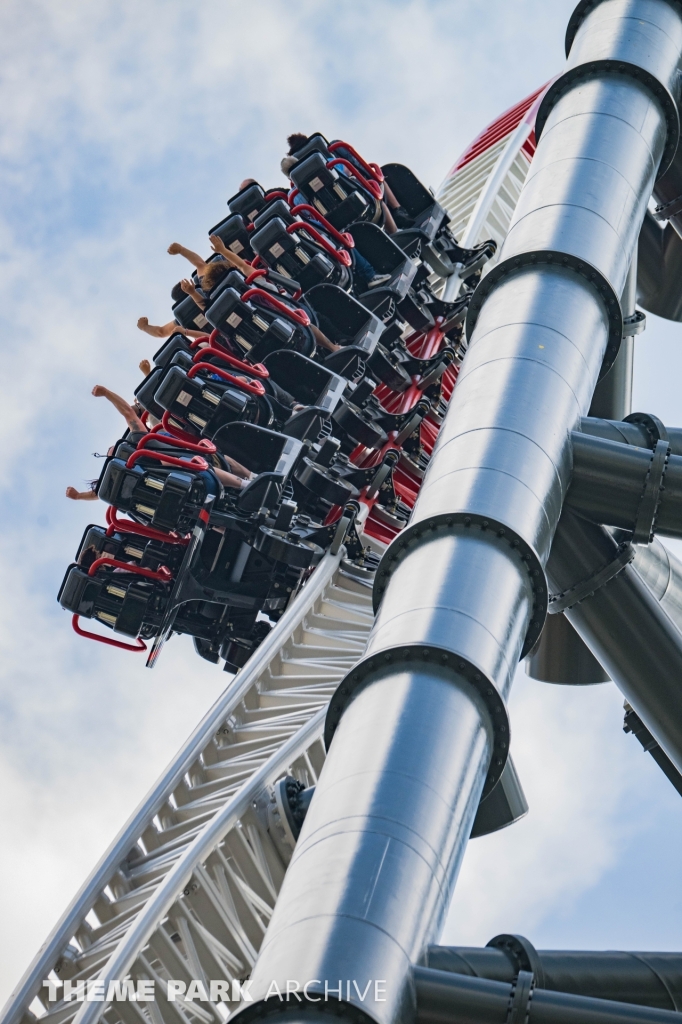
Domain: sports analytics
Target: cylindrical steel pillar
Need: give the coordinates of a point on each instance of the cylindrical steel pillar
(443, 998)
(646, 979)
(621, 621)
(629, 488)
(421, 725)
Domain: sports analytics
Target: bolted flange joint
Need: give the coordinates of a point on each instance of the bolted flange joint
(428, 654)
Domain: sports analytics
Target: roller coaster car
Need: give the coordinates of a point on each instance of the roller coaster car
(241, 560)
(234, 235)
(166, 497)
(296, 254)
(338, 197)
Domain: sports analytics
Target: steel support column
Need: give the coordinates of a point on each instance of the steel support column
(623, 624)
(443, 998)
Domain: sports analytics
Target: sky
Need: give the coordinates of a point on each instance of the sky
(126, 126)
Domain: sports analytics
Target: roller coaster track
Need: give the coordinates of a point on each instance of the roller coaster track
(188, 887)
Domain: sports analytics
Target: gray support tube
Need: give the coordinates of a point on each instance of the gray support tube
(640, 429)
(421, 725)
(662, 573)
(625, 627)
(443, 998)
(646, 979)
(631, 488)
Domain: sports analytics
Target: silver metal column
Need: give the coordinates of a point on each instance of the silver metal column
(622, 622)
(421, 727)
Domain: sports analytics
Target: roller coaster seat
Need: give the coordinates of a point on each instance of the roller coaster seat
(144, 392)
(314, 386)
(344, 320)
(276, 208)
(176, 343)
(118, 599)
(337, 197)
(255, 331)
(206, 404)
(189, 315)
(387, 258)
(296, 256)
(248, 202)
(307, 381)
(150, 553)
(427, 214)
(165, 497)
(270, 455)
(233, 233)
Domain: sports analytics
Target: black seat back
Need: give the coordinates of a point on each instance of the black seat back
(337, 197)
(176, 343)
(189, 315)
(343, 319)
(233, 233)
(305, 380)
(248, 202)
(259, 449)
(277, 208)
(375, 245)
(414, 197)
(145, 391)
(272, 456)
(316, 144)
